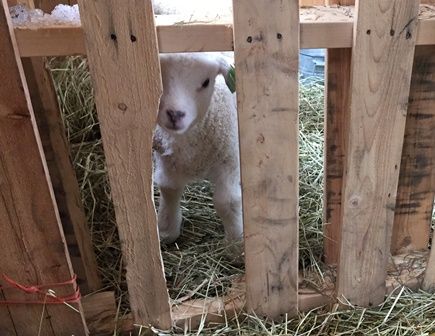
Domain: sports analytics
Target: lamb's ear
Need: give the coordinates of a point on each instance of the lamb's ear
(227, 70)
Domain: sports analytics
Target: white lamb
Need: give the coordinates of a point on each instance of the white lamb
(197, 138)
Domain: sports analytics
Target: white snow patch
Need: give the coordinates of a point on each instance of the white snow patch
(61, 14)
(188, 10)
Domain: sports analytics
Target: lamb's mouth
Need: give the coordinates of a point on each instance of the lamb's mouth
(175, 128)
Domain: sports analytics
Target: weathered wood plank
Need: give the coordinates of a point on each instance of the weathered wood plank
(383, 51)
(267, 55)
(69, 40)
(424, 106)
(124, 64)
(33, 246)
(416, 189)
(337, 95)
(63, 178)
(311, 2)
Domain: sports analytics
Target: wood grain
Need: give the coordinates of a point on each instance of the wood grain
(69, 40)
(311, 2)
(33, 246)
(385, 34)
(337, 96)
(416, 189)
(266, 56)
(62, 174)
(422, 103)
(124, 65)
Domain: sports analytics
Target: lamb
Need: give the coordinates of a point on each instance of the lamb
(197, 138)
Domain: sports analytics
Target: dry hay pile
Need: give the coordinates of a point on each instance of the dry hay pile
(197, 266)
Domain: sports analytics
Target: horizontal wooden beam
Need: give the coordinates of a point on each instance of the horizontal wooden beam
(193, 37)
(403, 270)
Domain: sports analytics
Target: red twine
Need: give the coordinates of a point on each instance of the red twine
(50, 298)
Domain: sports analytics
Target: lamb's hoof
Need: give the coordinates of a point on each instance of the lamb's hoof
(235, 252)
(168, 237)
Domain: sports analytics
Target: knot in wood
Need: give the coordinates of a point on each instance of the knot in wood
(122, 107)
(355, 201)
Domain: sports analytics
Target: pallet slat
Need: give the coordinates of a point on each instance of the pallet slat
(125, 68)
(267, 53)
(382, 56)
(417, 182)
(62, 174)
(69, 40)
(30, 226)
(337, 98)
(65, 185)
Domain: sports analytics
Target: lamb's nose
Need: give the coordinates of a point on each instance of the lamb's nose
(175, 116)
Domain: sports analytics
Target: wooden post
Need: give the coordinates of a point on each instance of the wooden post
(123, 59)
(384, 41)
(65, 185)
(414, 210)
(337, 95)
(266, 55)
(416, 190)
(63, 177)
(33, 246)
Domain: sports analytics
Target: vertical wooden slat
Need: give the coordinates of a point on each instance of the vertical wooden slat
(62, 174)
(123, 60)
(422, 113)
(65, 185)
(416, 189)
(337, 95)
(384, 40)
(33, 247)
(266, 55)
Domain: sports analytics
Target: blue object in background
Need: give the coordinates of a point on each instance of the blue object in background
(312, 63)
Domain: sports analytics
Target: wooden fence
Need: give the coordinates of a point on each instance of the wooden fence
(379, 156)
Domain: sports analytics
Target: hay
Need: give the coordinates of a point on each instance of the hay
(197, 265)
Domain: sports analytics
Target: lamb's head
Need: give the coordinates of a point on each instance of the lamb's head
(188, 84)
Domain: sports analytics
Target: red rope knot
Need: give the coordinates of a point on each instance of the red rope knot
(49, 295)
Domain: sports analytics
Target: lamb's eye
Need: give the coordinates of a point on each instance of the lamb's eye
(205, 83)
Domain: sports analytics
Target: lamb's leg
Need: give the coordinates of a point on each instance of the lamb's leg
(228, 204)
(169, 215)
